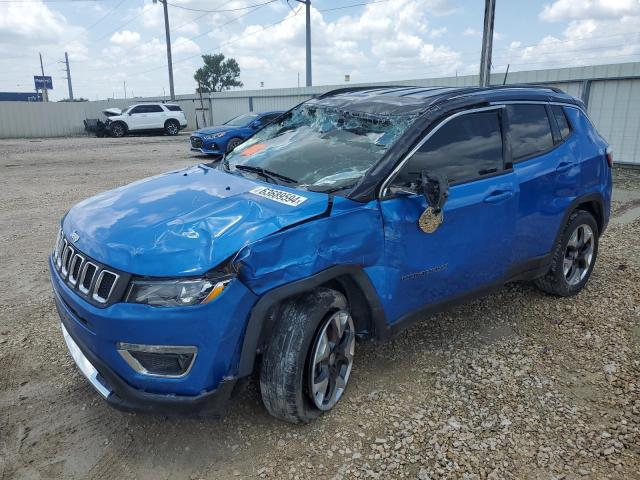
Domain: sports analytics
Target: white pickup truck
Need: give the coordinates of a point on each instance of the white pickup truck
(145, 117)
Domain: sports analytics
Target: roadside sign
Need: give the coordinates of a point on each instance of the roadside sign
(43, 82)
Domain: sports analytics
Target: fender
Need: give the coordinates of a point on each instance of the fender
(256, 330)
(599, 215)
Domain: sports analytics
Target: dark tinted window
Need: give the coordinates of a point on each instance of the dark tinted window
(561, 119)
(147, 109)
(174, 108)
(529, 130)
(465, 148)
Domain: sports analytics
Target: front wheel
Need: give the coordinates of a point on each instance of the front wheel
(574, 257)
(308, 362)
(233, 143)
(118, 130)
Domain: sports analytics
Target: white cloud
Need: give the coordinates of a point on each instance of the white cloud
(597, 32)
(471, 32)
(393, 38)
(562, 10)
(125, 38)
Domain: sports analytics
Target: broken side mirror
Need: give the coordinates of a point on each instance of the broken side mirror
(435, 188)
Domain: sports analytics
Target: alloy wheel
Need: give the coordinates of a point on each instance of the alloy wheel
(117, 131)
(331, 360)
(578, 255)
(172, 129)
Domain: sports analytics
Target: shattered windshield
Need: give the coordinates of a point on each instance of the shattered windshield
(242, 120)
(318, 148)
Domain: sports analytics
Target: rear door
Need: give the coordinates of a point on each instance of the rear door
(545, 154)
(469, 251)
(156, 116)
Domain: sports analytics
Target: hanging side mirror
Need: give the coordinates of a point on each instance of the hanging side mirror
(435, 188)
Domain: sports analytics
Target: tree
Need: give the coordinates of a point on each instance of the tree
(218, 74)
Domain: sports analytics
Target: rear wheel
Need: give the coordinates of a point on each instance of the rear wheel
(118, 129)
(233, 143)
(574, 257)
(171, 127)
(308, 362)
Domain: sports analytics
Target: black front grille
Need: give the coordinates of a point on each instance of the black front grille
(88, 276)
(196, 142)
(107, 281)
(97, 283)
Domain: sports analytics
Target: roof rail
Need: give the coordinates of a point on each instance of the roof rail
(525, 85)
(338, 91)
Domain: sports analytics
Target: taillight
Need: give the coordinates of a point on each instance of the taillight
(609, 154)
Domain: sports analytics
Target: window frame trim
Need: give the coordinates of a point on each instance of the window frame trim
(506, 149)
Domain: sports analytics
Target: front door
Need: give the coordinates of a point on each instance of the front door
(470, 249)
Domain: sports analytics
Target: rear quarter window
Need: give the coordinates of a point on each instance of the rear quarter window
(174, 108)
(529, 130)
(561, 119)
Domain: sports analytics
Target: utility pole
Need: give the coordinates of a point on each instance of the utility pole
(487, 42)
(45, 94)
(124, 85)
(66, 62)
(167, 33)
(307, 4)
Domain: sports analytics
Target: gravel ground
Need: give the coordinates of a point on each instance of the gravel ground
(516, 385)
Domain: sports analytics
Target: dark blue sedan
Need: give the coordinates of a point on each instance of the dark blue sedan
(224, 138)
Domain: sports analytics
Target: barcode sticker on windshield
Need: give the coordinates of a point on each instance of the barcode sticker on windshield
(279, 196)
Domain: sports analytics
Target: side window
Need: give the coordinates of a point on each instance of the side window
(138, 109)
(465, 148)
(174, 108)
(561, 119)
(154, 108)
(529, 130)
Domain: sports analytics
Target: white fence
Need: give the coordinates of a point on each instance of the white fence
(611, 92)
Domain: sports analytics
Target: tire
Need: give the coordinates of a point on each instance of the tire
(171, 127)
(303, 326)
(118, 129)
(233, 143)
(573, 258)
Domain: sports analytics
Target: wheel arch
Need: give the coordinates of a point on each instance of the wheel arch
(592, 203)
(175, 120)
(350, 280)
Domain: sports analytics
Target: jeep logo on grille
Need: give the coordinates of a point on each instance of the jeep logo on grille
(75, 237)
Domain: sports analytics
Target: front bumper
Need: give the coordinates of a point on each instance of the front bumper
(122, 396)
(216, 329)
(198, 144)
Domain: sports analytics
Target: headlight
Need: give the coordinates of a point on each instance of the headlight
(211, 136)
(177, 292)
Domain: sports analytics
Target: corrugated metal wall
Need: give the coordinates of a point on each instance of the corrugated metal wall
(614, 107)
(61, 119)
(612, 93)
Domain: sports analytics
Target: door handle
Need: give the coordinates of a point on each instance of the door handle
(498, 196)
(564, 166)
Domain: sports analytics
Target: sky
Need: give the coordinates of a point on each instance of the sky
(116, 42)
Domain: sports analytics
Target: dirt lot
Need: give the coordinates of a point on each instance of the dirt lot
(517, 385)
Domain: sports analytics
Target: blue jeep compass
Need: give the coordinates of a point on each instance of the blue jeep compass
(351, 215)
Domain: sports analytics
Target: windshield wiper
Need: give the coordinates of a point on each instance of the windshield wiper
(267, 174)
(334, 189)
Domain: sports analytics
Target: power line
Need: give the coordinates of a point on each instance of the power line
(220, 11)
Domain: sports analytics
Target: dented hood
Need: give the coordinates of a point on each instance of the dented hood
(184, 222)
(112, 112)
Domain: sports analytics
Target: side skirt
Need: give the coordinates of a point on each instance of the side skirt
(526, 271)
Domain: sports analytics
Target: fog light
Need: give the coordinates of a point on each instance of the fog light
(158, 360)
